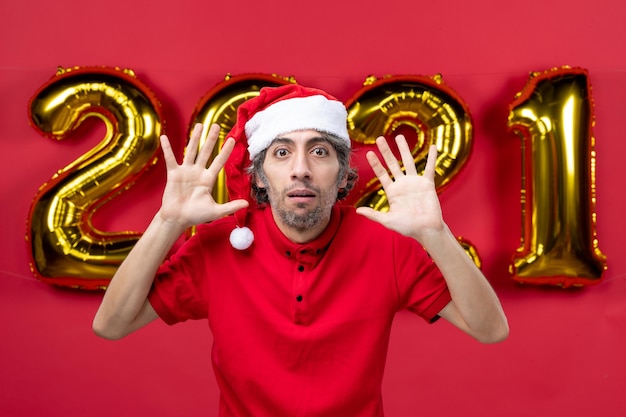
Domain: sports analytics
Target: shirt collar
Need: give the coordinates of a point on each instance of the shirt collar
(315, 248)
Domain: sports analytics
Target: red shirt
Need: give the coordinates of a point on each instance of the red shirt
(299, 330)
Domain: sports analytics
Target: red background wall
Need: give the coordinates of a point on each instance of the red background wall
(565, 354)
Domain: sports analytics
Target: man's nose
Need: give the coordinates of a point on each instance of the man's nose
(301, 166)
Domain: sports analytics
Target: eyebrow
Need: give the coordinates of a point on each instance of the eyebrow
(316, 139)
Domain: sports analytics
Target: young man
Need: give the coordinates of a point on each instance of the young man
(299, 292)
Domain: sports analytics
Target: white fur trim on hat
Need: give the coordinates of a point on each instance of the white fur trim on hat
(290, 115)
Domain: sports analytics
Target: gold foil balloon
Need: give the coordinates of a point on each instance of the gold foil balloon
(426, 111)
(65, 248)
(554, 117)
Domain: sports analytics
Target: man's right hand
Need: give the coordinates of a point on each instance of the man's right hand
(187, 199)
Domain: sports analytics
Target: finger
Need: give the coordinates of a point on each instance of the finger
(231, 207)
(168, 153)
(371, 214)
(378, 168)
(209, 145)
(192, 146)
(221, 158)
(407, 156)
(388, 156)
(431, 163)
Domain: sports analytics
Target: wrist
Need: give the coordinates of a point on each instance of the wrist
(169, 224)
(433, 238)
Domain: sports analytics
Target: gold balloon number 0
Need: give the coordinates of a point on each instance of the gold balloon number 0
(67, 251)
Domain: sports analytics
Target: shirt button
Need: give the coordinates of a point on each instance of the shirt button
(287, 253)
(299, 298)
(300, 268)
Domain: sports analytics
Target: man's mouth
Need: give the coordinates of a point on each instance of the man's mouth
(301, 194)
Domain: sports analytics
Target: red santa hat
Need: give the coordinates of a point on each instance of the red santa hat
(260, 120)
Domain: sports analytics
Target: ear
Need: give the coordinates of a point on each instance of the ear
(258, 182)
(343, 182)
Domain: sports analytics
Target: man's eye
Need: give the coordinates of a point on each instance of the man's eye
(320, 151)
(280, 152)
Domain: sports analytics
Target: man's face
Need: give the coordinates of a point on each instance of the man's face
(301, 170)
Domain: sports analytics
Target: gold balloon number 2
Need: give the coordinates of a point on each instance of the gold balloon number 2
(66, 250)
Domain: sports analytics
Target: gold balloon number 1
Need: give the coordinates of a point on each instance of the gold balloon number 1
(553, 114)
(554, 117)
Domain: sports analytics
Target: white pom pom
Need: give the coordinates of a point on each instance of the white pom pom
(241, 238)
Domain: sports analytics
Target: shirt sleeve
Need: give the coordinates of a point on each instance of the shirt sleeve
(421, 286)
(179, 289)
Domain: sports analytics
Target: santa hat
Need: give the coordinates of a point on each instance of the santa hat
(260, 120)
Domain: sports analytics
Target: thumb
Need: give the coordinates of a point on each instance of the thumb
(371, 214)
(231, 207)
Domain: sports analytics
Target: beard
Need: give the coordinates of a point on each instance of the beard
(309, 219)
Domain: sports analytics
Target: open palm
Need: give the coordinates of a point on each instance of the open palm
(414, 208)
(187, 198)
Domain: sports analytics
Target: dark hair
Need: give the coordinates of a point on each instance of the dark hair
(345, 170)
